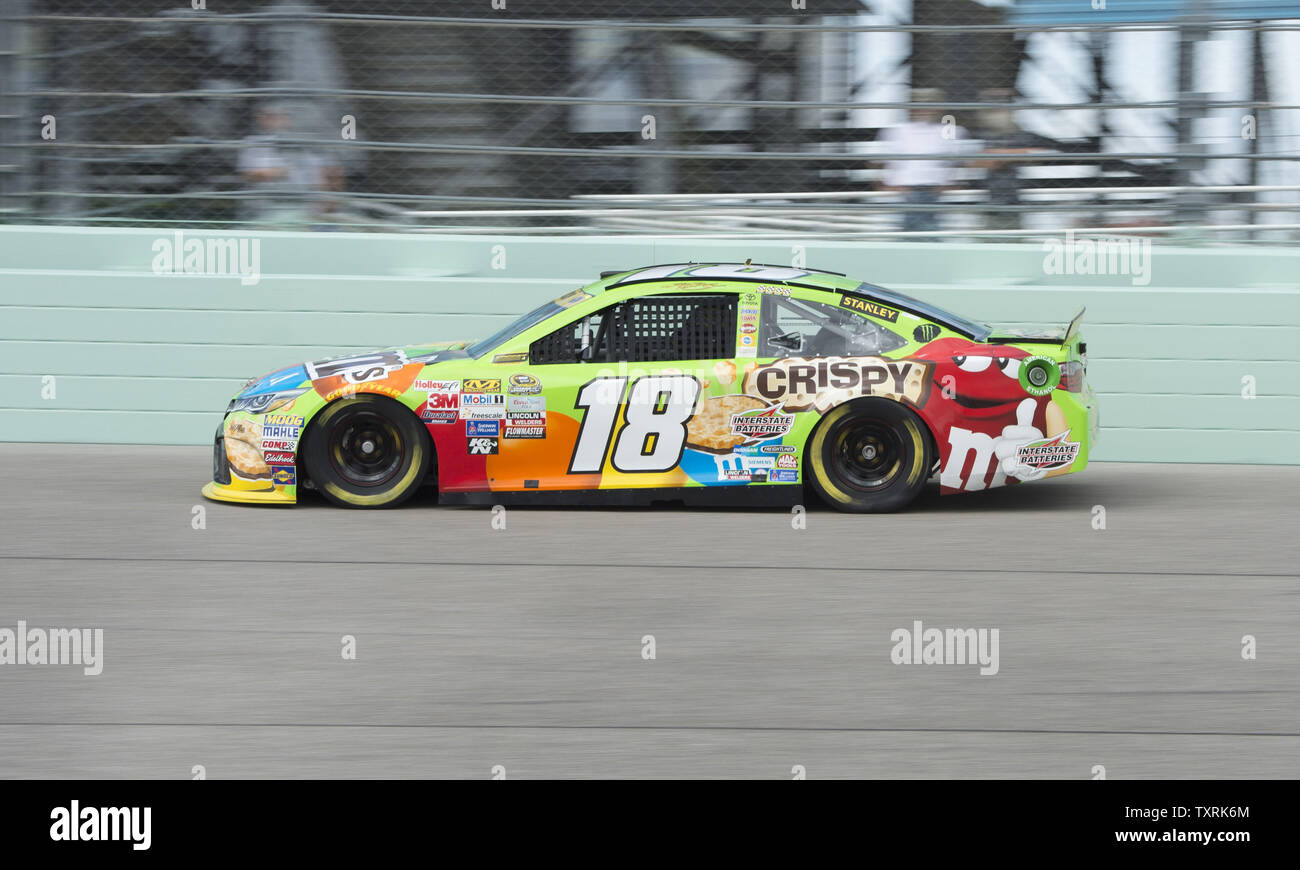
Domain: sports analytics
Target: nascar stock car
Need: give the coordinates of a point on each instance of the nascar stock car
(686, 382)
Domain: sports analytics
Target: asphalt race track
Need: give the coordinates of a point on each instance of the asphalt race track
(522, 647)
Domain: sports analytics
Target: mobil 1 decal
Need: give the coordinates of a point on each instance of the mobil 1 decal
(653, 433)
(821, 384)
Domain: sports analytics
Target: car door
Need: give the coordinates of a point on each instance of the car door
(607, 400)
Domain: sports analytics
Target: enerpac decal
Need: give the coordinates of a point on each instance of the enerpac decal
(825, 382)
(866, 306)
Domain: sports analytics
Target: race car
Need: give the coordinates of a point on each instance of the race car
(697, 382)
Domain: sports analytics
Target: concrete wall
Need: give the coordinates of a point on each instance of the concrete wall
(142, 358)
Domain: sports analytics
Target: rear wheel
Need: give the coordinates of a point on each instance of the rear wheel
(870, 455)
(367, 452)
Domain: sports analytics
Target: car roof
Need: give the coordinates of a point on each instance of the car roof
(812, 279)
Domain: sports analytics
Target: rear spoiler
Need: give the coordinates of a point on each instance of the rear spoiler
(1073, 328)
(1039, 335)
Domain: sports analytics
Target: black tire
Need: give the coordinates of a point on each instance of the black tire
(367, 452)
(869, 456)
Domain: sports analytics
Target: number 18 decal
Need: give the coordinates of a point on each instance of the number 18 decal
(653, 435)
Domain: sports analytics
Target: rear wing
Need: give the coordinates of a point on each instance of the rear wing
(1073, 328)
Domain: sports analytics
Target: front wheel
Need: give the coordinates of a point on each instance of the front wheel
(367, 452)
(869, 455)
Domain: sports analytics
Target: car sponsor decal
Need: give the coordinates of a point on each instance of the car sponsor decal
(825, 382)
(482, 446)
(358, 369)
(511, 357)
(481, 385)
(1048, 453)
(524, 385)
(866, 306)
(761, 424)
(424, 385)
(526, 403)
(481, 428)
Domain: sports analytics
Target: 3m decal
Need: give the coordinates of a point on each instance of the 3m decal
(481, 385)
(482, 446)
(654, 432)
(866, 306)
(824, 383)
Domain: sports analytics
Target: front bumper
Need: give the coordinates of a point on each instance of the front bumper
(221, 492)
(229, 487)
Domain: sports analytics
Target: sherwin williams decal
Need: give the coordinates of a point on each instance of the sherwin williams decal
(823, 383)
(482, 428)
(866, 306)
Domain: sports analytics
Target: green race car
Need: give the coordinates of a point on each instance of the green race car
(691, 382)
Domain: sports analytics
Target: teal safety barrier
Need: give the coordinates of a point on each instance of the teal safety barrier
(1197, 359)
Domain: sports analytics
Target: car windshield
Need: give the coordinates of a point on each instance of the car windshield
(532, 318)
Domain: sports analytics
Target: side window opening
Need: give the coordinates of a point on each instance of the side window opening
(646, 329)
(792, 327)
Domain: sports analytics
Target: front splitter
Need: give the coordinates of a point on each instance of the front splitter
(220, 492)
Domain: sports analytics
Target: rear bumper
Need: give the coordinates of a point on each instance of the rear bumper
(1083, 416)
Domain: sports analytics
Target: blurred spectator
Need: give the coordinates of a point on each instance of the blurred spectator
(284, 177)
(1002, 135)
(922, 181)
